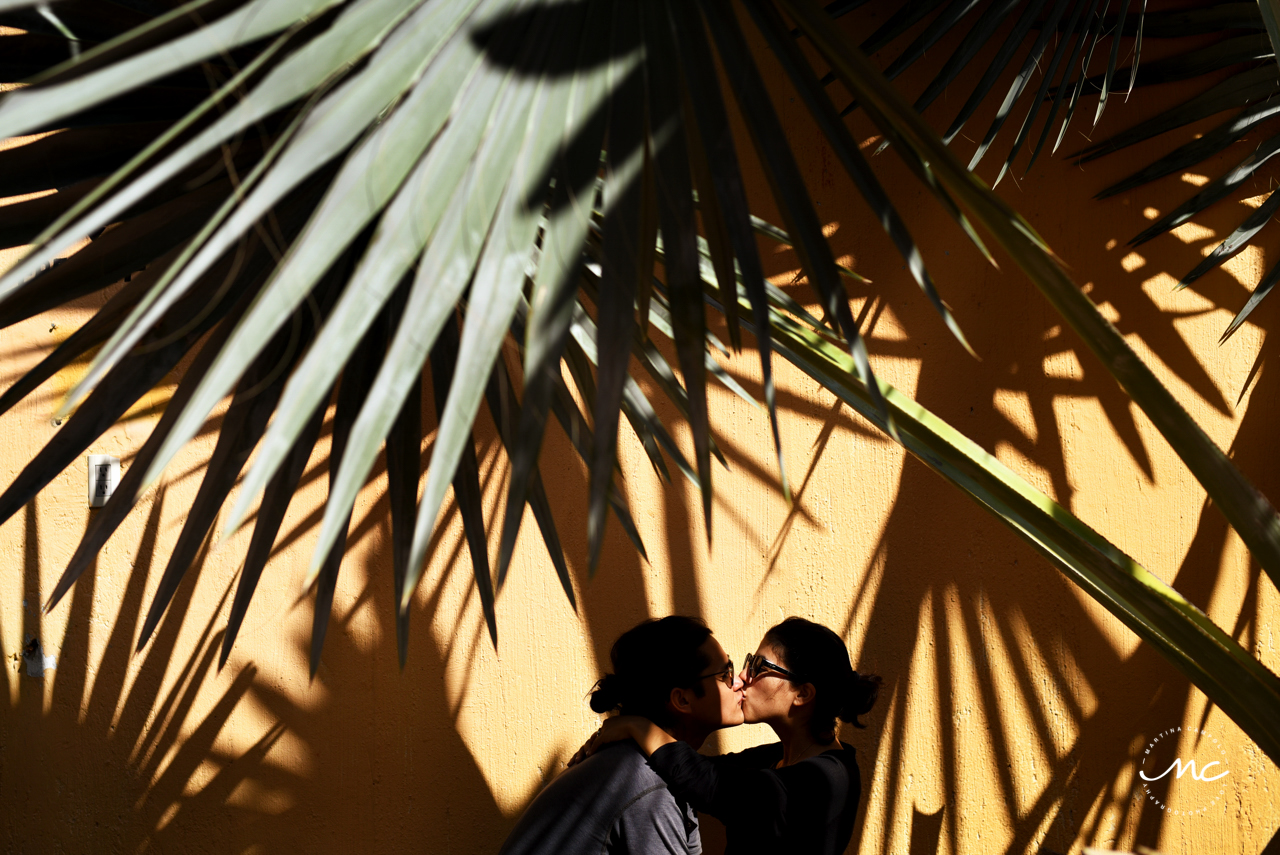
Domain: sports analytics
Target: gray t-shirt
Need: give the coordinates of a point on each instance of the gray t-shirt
(613, 803)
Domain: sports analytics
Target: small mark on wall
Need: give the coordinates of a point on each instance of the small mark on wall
(34, 658)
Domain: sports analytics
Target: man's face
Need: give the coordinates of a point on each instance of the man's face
(721, 703)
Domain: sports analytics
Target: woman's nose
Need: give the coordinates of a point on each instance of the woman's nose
(741, 679)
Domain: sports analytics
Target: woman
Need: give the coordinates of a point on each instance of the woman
(798, 795)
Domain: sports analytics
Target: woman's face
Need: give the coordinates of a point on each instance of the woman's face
(769, 695)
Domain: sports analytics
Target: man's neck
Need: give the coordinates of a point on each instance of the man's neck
(688, 732)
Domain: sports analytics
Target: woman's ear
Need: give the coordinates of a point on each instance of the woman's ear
(805, 694)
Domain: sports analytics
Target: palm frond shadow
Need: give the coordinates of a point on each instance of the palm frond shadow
(134, 744)
(1056, 704)
(990, 599)
(148, 753)
(969, 605)
(500, 42)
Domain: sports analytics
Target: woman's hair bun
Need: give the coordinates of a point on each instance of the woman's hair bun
(862, 693)
(607, 695)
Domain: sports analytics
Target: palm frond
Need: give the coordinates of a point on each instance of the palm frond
(325, 195)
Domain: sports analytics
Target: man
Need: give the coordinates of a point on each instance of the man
(673, 672)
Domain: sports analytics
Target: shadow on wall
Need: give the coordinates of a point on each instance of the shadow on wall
(133, 766)
(161, 750)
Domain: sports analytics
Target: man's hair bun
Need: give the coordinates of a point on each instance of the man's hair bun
(649, 660)
(607, 695)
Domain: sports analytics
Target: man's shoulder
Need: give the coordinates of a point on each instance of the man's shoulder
(620, 766)
(580, 811)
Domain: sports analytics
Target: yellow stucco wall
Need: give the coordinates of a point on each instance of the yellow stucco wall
(1014, 706)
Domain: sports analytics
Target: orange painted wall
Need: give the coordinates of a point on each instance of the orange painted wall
(1014, 705)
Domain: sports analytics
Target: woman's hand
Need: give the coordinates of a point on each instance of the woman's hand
(614, 729)
(647, 735)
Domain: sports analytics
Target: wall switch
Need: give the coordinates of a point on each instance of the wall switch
(104, 475)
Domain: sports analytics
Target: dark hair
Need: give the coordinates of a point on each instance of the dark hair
(649, 660)
(818, 656)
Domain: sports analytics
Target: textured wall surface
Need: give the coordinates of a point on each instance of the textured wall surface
(1015, 708)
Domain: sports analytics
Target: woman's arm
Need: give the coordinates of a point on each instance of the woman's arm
(646, 734)
(738, 789)
(643, 732)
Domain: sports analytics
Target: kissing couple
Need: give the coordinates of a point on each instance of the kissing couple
(637, 784)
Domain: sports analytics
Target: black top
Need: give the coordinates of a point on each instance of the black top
(806, 808)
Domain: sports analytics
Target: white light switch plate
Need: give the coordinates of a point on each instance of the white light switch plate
(104, 475)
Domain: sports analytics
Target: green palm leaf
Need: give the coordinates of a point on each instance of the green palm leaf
(370, 173)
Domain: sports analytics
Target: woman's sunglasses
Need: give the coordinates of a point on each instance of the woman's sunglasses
(757, 665)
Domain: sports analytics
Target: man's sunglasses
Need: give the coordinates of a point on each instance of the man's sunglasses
(726, 675)
(757, 665)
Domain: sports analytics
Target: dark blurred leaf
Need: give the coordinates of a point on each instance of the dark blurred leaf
(975, 40)
(1259, 293)
(937, 28)
(1200, 149)
(1111, 65)
(1093, 29)
(1039, 99)
(1216, 190)
(621, 268)
(357, 377)
(680, 240)
(1237, 50)
(241, 427)
(899, 22)
(724, 174)
(1236, 240)
(784, 177)
(1246, 87)
(104, 523)
(1270, 11)
(1019, 84)
(1208, 18)
(1002, 58)
(505, 410)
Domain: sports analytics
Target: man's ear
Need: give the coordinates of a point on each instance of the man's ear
(680, 701)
